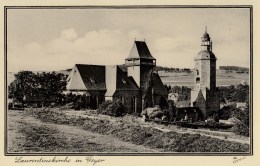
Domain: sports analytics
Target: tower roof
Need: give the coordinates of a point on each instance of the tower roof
(205, 55)
(205, 36)
(140, 51)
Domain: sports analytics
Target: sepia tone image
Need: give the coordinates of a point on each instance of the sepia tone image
(128, 80)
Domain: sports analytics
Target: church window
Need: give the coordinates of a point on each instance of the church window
(197, 80)
(197, 72)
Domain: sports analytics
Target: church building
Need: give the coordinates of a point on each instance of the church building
(204, 95)
(135, 83)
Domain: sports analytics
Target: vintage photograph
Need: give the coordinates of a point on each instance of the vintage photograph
(128, 80)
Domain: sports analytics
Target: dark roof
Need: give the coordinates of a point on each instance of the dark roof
(205, 37)
(158, 86)
(140, 51)
(124, 82)
(93, 76)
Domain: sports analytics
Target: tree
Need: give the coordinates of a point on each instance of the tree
(43, 86)
(239, 93)
(243, 127)
(24, 84)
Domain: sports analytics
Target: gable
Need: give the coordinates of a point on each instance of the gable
(75, 81)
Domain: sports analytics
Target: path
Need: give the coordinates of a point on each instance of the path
(101, 143)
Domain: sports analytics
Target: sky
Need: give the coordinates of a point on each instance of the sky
(56, 39)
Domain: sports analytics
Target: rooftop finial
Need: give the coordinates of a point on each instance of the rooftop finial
(144, 40)
(206, 29)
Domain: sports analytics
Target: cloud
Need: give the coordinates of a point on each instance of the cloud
(108, 47)
(69, 34)
(95, 47)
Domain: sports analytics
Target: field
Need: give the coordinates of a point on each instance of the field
(56, 130)
(187, 79)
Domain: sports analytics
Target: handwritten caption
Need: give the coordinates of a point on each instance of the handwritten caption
(88, 159)
(238, 159)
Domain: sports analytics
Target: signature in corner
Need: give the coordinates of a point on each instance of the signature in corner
(238, 159)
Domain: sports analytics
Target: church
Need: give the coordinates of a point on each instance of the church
(135, 83)
(204, 101)
(204, 95)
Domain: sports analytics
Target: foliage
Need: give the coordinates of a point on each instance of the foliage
(171, 69)
(148, 136)
(239, 93)
(166, 69)
(29, 86)
(227, 112)
(243, 115)
(241, 129)
(112, 108)
(235, 68)
(167, 87)
(183, 92)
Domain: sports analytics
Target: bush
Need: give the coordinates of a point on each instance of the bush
(226, 112)
(112, 108)
(241, 129)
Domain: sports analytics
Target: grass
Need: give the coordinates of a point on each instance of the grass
(42, 138)
(27, 134)
(139, 135)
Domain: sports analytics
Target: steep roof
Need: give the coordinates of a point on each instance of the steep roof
(158, 86)
(93, 76)
(140, 51)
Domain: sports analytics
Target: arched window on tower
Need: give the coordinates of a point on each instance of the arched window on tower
(197, 80)
(197, 72)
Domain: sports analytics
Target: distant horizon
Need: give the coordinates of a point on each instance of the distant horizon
(109, 65)
(52, 39)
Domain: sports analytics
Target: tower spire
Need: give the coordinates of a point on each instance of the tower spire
(206, 29)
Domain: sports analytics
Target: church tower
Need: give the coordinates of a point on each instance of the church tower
(140, 65)
(204, 94)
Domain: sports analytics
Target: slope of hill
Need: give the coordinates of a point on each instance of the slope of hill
(224, 78)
